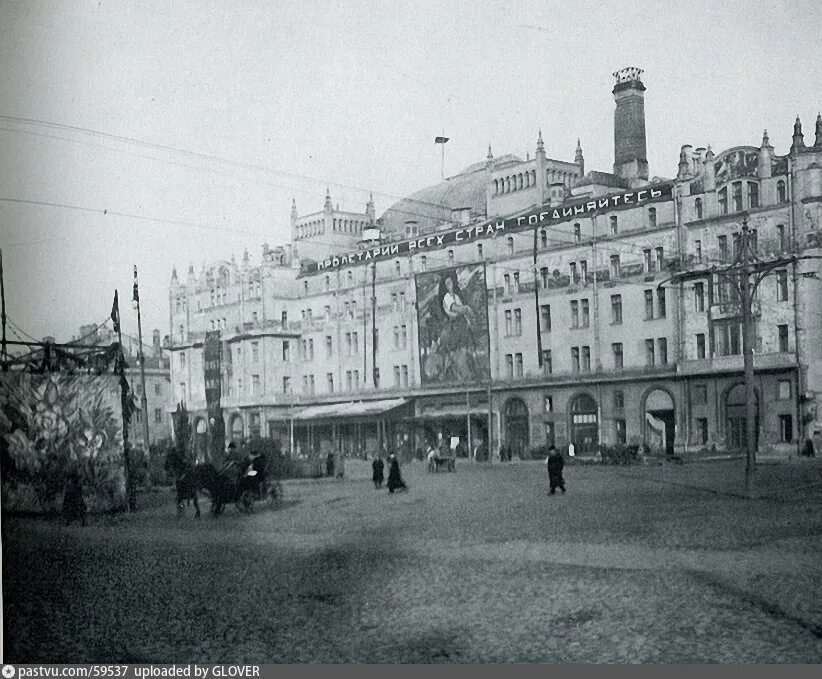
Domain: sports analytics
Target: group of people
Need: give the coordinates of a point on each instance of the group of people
(395, 481)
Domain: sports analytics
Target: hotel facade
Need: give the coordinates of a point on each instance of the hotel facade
(521, 303)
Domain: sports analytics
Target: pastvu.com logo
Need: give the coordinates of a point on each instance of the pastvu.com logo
(8, 671)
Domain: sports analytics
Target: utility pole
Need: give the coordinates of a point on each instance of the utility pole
(4, 355)
(374, 379)
(536, 302)
(746, 299)
(141, 358)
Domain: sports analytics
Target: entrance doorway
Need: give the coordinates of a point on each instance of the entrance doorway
(735, 418)
(584, 425)
(516, 427)
(660, 421)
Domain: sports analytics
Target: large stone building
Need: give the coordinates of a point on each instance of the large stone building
(590, 338)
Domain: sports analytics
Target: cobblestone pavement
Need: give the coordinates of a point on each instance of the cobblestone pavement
(662, 564)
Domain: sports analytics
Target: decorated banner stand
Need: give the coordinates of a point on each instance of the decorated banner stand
(64, 414)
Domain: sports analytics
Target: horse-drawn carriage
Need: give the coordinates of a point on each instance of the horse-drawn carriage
(242, 484)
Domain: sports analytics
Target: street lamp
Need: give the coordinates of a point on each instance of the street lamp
(135, 301)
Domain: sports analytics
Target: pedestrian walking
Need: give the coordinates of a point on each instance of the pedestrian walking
(395, 481)
(74, 506)
(378, 469)
(555, 463)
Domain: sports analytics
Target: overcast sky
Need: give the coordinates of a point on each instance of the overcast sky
(345, 95)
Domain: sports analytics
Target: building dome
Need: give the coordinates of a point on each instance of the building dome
(432, 206)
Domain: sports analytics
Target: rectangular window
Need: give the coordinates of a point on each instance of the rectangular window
(403, 336)
(616, 309)
(702, 430)
(349, 382)
(516, 281)
(156, 389)
(663, 350)
(700, 345)
(618, 357)
(737, 194)
(376, 378)
(329, 380)
(586, 316)
(660, 259)
(509, 327)
(286, 351)
(311, 385)
(574, 274)
(649, 305)
(518, 364)
(286, 384)
(614, 226)
(405, 375)
(619, 400)
(311, 350)
(479, 250)
(255, 384)
(650, 355)
(651, 217)
(699, 297)
(698, 251)
(574, 313)
(517, 321)
(753, 194)
(700, 394)
(545, 317)
(616, 268)
(575, 359)
(506, 284)
(780, 235)
(357, 380)
(402, 301)
(549, 404)
(621, 432)
(786, 428)
(781, 285)
(547, 362)
(583, 270)
(397, 336)
(355, 338)
(648, 261)
(586, 359)
(158, 415)
(348, 344)
(329, 346)
(396, 376)
(577, 233)
(783, 338)
(660, 303)
(509, 362)
(722, 242)
(783, 392)
(182, 361)
(424, 263)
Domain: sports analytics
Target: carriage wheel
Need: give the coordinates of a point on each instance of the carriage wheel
(275, 494)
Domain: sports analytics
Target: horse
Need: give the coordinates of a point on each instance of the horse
(188, 483)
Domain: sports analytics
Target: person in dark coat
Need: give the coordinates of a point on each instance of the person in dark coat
(555, 463)
(329, 464)
(395, 481)
(378, 467)
(74, 506)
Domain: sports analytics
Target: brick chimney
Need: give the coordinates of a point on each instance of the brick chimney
(630, 154)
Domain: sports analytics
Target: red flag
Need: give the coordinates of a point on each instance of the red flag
(115, 313)
(135, 297)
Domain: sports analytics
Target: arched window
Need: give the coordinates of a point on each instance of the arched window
(507, 184)
(737, 195)
(781, 194)
(544, 276)
(510, 245)
(534, 177)
(723, 200)
(519, 181)
(496, 186)
(698, 207)
(527, 179)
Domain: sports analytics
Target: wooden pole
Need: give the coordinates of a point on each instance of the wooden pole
(3, 313)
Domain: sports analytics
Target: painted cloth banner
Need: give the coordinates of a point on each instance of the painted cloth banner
(54, 425)
(452, 323)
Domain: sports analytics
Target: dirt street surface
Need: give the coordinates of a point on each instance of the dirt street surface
(635, 564)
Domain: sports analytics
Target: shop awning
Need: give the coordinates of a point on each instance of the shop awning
(451, 412)
(348, 409)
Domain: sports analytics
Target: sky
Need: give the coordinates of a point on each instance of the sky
(236, 107)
